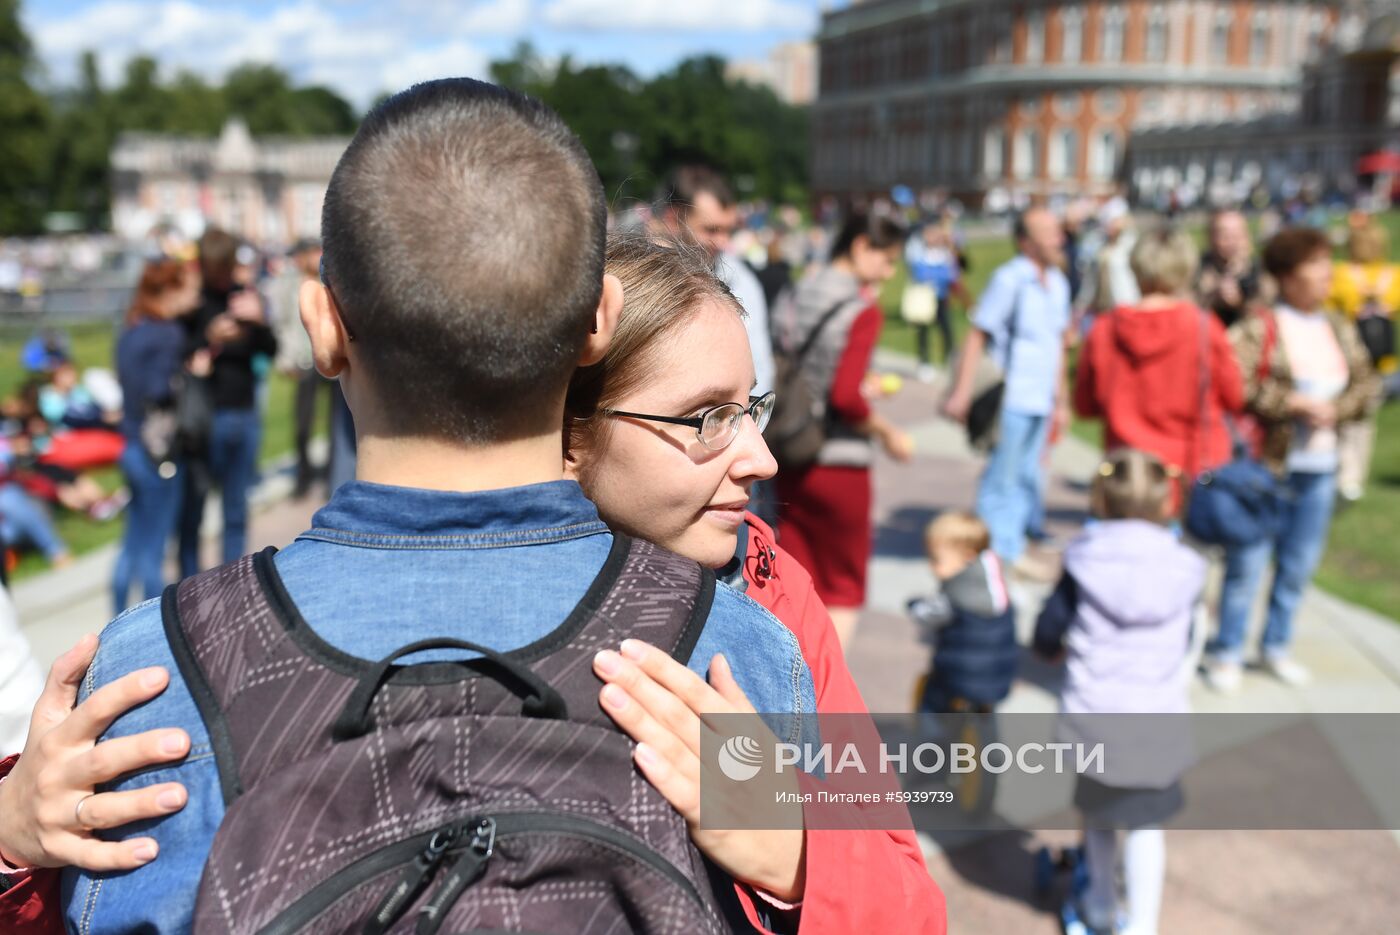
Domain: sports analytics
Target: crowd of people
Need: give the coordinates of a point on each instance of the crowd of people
(663, 438)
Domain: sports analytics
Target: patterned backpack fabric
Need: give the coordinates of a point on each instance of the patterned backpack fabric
(489, 794)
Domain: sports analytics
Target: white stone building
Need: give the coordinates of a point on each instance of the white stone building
(267, 190)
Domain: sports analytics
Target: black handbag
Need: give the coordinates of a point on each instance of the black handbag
(1378, 335)
(989, 390)
(194, 414)
(1240, 503)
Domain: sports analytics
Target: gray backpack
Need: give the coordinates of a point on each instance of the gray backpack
(485, 795)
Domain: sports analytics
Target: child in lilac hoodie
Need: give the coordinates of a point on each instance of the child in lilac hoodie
(1121, 619)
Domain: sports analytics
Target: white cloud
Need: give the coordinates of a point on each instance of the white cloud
(315, 40)
(713, 15)
(450, 60)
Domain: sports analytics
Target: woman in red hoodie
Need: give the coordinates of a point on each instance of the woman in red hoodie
(1162, 374)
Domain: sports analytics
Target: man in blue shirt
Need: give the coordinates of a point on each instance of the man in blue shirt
(454, 349)
(1021, 320)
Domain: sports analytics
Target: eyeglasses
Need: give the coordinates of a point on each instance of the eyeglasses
(717, 426)
(335, 303)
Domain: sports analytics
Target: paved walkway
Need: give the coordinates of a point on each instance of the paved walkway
(1218, 882)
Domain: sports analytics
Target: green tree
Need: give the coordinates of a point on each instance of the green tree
(141, 102)
(24, 130)
(82, 143)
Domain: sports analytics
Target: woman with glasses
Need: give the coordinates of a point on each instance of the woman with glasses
(664, 436)
(824, 509)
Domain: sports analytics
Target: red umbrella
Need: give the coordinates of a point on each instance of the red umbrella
(1378, 162)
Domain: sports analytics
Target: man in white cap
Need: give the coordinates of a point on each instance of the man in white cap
(1109, 281)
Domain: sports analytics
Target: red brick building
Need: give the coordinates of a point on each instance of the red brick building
(1040, 97)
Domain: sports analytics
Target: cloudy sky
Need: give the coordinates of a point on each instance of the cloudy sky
(362, 47)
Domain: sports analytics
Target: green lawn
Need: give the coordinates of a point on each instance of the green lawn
(92, 346)
(1362, 563)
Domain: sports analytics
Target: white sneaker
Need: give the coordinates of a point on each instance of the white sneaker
(1287, 671)
(1224, 677)
(927, 374)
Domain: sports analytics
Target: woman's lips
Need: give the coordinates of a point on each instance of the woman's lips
(729, 514)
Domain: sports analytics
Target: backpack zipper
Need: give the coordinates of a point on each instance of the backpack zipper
(413, 881)
(484, 831)
(513, 823)
(465, 871)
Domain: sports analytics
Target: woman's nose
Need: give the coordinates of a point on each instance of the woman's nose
(751, 455)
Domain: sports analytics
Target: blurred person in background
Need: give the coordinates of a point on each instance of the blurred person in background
(294, 355)
(25, 522)
(776, 273)
(150, 354)
(229, 323)
(1306, 374)
(697, 207)
(935, 276)
(1366, 289)
(1108, 280)
(1161, 373)
(1230, 281)
(1022, 320)
(21, 679)
(824, 509)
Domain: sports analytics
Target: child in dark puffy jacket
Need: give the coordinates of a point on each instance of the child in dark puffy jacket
(970, 620)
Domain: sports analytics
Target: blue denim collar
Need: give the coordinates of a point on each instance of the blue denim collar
(378, 516)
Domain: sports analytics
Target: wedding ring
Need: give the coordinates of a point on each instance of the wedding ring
(78, 812)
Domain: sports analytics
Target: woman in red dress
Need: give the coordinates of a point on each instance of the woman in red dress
(824, 509)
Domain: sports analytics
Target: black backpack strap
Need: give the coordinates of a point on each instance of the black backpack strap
(212, 621)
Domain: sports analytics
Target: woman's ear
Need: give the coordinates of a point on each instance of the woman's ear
(604, 322)
(330, 345)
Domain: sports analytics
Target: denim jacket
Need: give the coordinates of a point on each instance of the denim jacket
(380, 568)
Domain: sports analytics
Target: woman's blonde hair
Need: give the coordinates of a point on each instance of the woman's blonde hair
(1165, 262)
(663, 285)
(1367, 242)
(1131, 484)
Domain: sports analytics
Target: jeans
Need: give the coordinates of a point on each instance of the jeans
(1295, 552)
(944, 321)
(150, 521)
(1010, 490)
(25, 521)
(232, 466)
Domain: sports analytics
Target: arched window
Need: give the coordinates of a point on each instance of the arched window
(1157, 34)
(993, 150)
(1317, 32)
(1001, 26)
(1071, 34)
(1064, 154)
(1111, 35)
(1260, 31)
(1103, 155)
(1026, 155)
(1220, 36)
(1035, 37)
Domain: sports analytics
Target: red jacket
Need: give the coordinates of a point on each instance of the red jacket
(30, 906)
(1141, 373)
(895, 892)
(857, 881)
